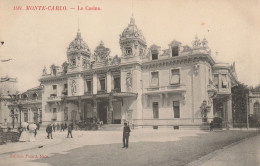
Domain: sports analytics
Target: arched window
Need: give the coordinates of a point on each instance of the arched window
(35, 95)
(257, 108)
(25, 96)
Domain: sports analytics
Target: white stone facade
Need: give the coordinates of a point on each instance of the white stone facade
(177, 86)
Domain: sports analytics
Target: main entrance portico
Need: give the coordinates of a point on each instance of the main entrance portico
(102, 107)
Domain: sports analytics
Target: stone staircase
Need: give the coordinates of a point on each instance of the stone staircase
(111, 127)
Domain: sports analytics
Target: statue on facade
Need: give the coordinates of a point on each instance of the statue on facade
(73, 87)
(44, 71)
(129, 82)
(196, 43)
(204, 42)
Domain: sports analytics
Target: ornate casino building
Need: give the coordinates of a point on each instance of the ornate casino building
(148, 86)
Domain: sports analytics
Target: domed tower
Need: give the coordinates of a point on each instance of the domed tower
(78, 54)
(132, 43)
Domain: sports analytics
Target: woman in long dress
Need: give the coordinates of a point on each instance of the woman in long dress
(32, 128)
(24, 135)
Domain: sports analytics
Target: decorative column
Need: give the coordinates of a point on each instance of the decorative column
(229, 109)
(110, 111)
(109, 82)
(219, 81)
(79, 107)
(95, 83)
(95, 115)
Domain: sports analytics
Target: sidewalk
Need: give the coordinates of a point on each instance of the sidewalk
(13, 147)
(243, 153)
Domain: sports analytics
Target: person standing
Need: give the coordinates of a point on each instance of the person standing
(58, 127)
(54, 127)
(211, 125)
(65, 126)
(70, 128)
(126, 134)
(49, 131)
(62, 127)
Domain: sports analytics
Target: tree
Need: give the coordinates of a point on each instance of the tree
(239, 107)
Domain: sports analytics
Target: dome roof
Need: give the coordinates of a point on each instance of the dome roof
(78, 44)
(132, 32)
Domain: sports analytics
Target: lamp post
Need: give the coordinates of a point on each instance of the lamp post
(247, 108)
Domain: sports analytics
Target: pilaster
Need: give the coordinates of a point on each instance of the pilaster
(110, 110)
(95, 83)
(108, 82)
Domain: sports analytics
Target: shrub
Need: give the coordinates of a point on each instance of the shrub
(217, 121)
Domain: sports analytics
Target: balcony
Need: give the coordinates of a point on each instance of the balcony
(101, 91)
(31, 100)
(54, 98)
(173, 88)
(88, 93)
(65, 92)
(116, 90)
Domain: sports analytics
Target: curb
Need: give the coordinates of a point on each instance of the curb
(209, 156)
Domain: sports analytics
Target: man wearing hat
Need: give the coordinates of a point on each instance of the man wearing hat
(126, 134)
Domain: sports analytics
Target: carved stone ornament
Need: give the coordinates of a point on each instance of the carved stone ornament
(73, 87)
(132, 32)
(204, 42)
(101, 53)
(196, 42)
(44, 71)
(174, 43)
(116, 60)
(186, 48)
(196, 68)
(129, 82)
(78, 45)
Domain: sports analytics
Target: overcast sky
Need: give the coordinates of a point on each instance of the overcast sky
(34, 39)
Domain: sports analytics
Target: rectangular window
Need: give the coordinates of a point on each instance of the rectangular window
(89, 85)
(175, 51)
(155, 110)
(54, 90)
(175, 76)
(176, 109)
(25, 116)
(224, 81)
(154, 56)
(216, 80)
(117, 83)
(155, 79)
(54, 114)
(65, 89)
(102, 84)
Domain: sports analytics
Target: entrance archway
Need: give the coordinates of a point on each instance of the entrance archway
(102, 111)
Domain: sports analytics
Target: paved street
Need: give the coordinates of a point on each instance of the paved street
(147, 147)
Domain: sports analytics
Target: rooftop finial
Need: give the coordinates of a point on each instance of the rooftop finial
(132, 21)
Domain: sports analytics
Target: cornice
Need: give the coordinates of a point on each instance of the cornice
(177, 60)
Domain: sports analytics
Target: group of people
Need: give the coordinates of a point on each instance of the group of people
(28, 132)
(52, 127)
(59, 127)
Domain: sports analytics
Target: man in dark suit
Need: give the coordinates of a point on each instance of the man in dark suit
(70, 128)
(126, 134)
(49, 131)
